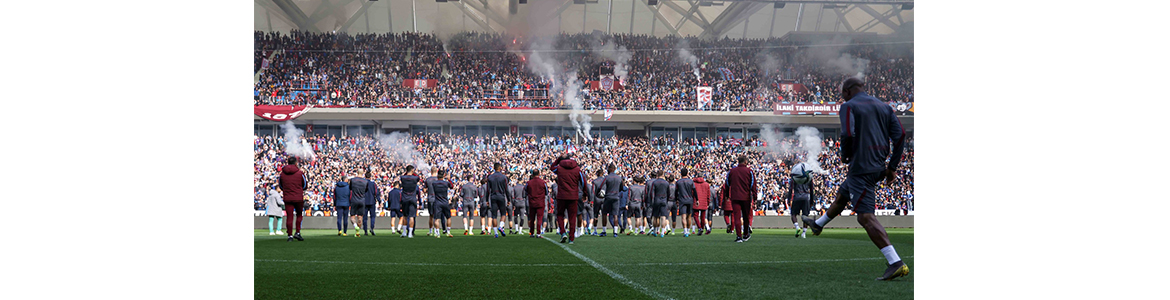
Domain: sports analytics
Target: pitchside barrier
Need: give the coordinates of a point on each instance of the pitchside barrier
(782, 222)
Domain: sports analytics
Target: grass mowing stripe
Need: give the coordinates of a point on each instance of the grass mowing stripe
(420, 264)
(605, 270)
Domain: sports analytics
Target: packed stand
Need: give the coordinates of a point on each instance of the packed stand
(479, 70)
(471, 157)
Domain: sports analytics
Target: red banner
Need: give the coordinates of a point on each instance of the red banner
(606, 83)
(280, 112)
(792, 87)
(420, 83)
(800, 108)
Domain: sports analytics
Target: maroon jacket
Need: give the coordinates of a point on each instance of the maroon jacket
(292, 182)
(536, 189)
(570, 179)
(740, 185)
(702, 193)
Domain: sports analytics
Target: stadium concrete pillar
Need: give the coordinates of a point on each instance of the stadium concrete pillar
(799, 17)
(389, 16)
(773, 26)
(414, 15)
(632, 4)
(745, 26)
(268, 19)
(819, 16)
(584, 12)
(609, 17)
(367, 16)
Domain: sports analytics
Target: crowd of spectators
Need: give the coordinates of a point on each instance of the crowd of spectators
(480, 70)
(469, 158)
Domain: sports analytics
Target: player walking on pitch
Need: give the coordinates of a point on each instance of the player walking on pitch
(799, 199)
(293, 181)
(684, 194)
(741, 190)
(868, 126)
(410, 197)
(467, 194)
(441, 186)
(570, 182)
(610, 191)
(536, 189)
(499, 196)
(341, 206)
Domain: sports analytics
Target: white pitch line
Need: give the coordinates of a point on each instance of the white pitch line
(419, 264)
(607, 271)
(752, 262)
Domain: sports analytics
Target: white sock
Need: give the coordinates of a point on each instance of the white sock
(797, 225)
(891, 255)
(824, 219)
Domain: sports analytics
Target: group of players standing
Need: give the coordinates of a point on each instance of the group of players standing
(869, 128)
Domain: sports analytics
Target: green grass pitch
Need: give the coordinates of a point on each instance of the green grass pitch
(838, 264)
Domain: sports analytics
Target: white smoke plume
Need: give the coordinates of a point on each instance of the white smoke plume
(810, 147)
(618, 54)
(400, 149)
(807, 148)
(852, 66)
(293, 143)
(562, 83)
(684, 53)
(577, 117)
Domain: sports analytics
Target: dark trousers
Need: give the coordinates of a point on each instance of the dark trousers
(743, 215)
(570, 207)
(535, 219)
(293, 208)
(342, 214)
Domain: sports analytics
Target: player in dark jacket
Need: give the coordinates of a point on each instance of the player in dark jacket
(358, 187)
(410, 197)
(799, 199)
(610, 191)
(341, 206)
(869, 130)
(657, 194)
(292, 182)
(519, 206)
(499, 197)
(441, 188)
(467, 194)
(373, 196)
(684, 195)
(637, 206)
(394, 206)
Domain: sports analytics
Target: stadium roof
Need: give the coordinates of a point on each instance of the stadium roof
(706, 19)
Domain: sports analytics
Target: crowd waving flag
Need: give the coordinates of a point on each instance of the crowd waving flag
(704, 96)
(608, 113)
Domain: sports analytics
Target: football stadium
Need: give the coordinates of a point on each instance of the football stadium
(583, 149)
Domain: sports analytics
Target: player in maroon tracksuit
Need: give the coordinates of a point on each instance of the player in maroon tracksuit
(702, 199)
(536, 190)
(293, 181)
(570, 182)
(740, 188)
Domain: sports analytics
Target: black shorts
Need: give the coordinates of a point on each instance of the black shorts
(409, 209)
(468, 209)
(357, 209)
(519, 213)
(499, 208)
(431, 208)
(672, 207)
(395, 213)
(860, 190)
(611, 207)
(484, 210)
(685, 209)
(799, 208)
(442, 210)
(635, 211)
(659, 210)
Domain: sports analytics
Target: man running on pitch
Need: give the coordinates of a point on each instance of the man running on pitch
(868, 126)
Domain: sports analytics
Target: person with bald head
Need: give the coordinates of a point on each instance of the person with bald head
(868, 128)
